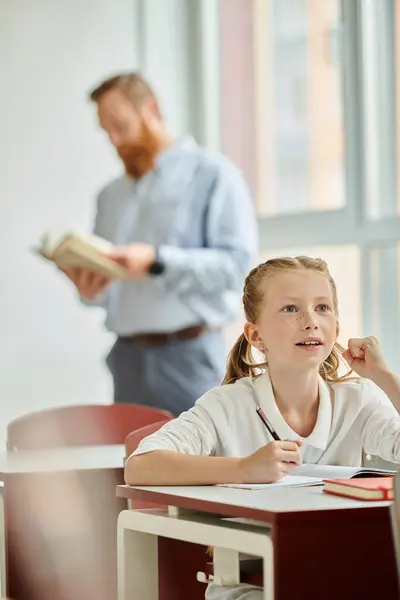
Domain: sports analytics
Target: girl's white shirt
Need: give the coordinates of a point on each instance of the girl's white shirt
(353, 416)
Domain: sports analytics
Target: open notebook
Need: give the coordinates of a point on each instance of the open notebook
(307, 475)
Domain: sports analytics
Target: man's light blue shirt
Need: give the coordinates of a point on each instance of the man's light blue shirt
(195, 207)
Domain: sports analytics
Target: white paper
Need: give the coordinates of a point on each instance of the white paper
(287, 481)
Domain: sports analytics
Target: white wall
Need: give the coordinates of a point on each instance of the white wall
(52, 161)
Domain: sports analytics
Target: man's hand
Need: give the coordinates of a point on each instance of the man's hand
(135, 258)
(88, 283)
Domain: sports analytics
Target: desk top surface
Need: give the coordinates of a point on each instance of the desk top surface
(80, 458)
(265, 505)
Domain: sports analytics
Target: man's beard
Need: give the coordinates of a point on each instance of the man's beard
(139, 158)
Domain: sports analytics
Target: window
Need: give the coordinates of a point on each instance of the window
(296, 100)
(309, 106)
(300, 70)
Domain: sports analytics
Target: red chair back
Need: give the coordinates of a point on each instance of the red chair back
(81, 425)
(135, 437)
(131, 443)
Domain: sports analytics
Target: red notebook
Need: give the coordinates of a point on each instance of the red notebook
(366, 488)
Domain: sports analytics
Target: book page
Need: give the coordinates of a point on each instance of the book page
(325, 471)
(335, 471)
(287, 481)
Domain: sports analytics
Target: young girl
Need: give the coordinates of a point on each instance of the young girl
(291, 308)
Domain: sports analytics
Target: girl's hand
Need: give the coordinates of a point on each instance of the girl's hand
(271, 462)
(364, 356)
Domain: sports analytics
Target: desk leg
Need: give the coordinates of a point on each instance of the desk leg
(3, 556)
(137, 555)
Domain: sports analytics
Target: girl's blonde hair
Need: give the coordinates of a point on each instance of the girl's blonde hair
(241, 362)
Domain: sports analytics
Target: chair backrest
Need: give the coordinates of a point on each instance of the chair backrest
(81, 425)
(395, 517)
(131, 443)
(135, 437)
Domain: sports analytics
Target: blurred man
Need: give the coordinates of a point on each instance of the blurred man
(183, 224)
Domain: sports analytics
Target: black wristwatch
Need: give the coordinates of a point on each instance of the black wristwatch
(158, 266)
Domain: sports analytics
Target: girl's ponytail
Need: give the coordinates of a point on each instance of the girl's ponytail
(241, 362)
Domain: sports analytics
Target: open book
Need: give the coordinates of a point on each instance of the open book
(77, 250)
(307, 475)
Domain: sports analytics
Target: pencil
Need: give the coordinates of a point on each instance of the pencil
(267, 424)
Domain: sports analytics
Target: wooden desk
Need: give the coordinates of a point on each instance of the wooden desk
(59, 515)
(314, 545)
